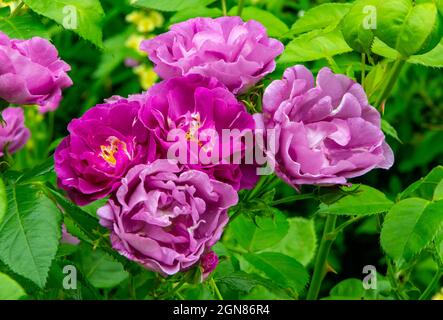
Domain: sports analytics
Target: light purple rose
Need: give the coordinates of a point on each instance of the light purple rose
(165, 218)
(68, 238)
(195, 105)
(13, 133)
(237, 53)
(101, 147)
(327, 132)
(32, 73)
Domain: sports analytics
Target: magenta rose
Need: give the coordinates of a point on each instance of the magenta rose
(200, 109)
(165, 218)
(101, 147)
(237, 53)
(327, 132)
(32, 73)
(13, 133)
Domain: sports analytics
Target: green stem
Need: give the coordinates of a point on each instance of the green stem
(392, 79)
(294, 198)
(320, 266)
(224, 10)
(430, 289)
(241, 3)
(215, 288)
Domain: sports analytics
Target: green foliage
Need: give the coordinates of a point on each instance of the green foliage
(274, 26)
(361, 200)
(320, 17)
(409, 27)
(9, 289)
(190, 13)
(425, 187)
(171, 5)
(30, 215)
(410, 226)
(3, 200)
(283, 270)
(23, 27)
(81, 16)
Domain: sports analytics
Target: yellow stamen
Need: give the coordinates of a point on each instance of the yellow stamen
(107, 152)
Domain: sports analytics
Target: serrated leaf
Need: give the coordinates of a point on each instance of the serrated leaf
(389, 130)
(80, 16)
(433, 58)
(425, 187)
(9, 289)
(23, 27)
(314, 45)
(30, 233)
(195, 12)
(410, 226)
(285, 271)
(170, 5)
(242, 281)
(264, 233)
(438, 192)
(320, 17)
(100, 269)
(274, 26)
(300, 242)
(364, 200)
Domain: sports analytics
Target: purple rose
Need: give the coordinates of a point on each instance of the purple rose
(13, 133)
(32, 73)
(165, 218)
(208, 263)
(327, 132)
(201, 109)
(235, 52)
(101, 147)
(68, 238)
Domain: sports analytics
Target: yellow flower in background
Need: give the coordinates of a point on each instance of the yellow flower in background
(133, 42)
(438, 296)
(9, 3)
(146, 75)
(145, 22)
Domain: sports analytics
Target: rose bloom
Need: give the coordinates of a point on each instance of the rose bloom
(327, 132)
(195, 110)
(101, 147)
(13, 133)
(237, 53)
(165, 218)
(32, 73)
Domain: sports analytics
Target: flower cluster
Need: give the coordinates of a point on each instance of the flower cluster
(166, 213)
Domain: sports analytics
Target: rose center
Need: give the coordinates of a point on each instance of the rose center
(108, 151)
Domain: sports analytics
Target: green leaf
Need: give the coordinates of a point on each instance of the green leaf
(23, 27)
(410, 226)
(425, 187)
(314, 45)
(170, 5)
(264, 233)
(356, 25)
(81, 16)
(281, 269)
(300, 242)
(364, 200)
(433, 58)
(274, 26)
(38, 171)
(320, 17)
(242, 281)
(9, 289)
(438, 193)
(195, 12)
(100, 269)
(389, 130)
(410, 27)
(350, 289)
(3, 200)
(29, 233)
